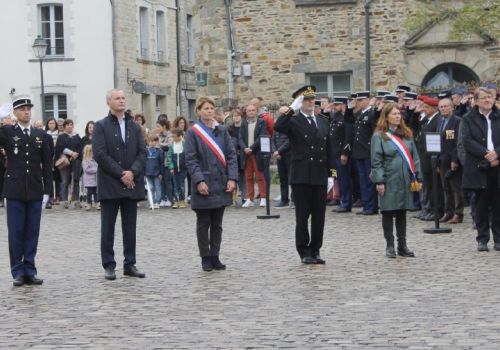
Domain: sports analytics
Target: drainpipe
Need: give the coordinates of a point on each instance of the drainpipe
(230, 47)
(178, 43)
(367, 45)
(113, 31)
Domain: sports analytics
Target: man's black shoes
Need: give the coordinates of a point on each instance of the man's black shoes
(217, 264)
(390, 252)
(308, 260)
(497, 247)
(133, 272)
(33, 280)
(482, 247)
(109, 273)
(18, 281)
(319, 260)
(206, 263)
(342, 210)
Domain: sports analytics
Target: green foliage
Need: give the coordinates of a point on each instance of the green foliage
(466, 17)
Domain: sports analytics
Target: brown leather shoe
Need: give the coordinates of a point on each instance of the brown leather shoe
(456, 220)
(446, 217)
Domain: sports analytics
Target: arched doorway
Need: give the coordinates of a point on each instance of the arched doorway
(447, 75)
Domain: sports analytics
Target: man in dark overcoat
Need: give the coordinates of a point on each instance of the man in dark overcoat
(120, 152)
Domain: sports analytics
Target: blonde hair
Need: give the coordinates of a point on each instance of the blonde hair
(87, 153)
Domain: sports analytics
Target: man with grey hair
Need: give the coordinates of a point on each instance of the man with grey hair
(120, 152)
(450, 169)
(481, 138)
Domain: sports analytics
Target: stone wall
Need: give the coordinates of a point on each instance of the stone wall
(159, 78)
(283, 42)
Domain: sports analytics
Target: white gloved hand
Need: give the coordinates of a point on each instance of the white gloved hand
(297, 103)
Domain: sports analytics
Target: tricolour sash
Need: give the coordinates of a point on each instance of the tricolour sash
(210, 142)
(404, 152)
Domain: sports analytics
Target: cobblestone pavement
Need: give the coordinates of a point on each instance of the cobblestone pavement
(445, 298)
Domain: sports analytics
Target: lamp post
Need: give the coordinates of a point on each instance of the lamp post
(40, 50)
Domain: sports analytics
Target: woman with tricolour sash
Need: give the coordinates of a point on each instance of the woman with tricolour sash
(211, 162)
(395, 169)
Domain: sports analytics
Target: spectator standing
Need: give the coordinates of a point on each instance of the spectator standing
(154, 169)
(89, 166)
(177, 166)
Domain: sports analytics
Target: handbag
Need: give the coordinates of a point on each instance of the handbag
(63, 162)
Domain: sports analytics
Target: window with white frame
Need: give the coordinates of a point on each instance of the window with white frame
(330, 84)
(190, 47)
(161, 37)
(143, 33)
(52, 28)
(56, 106)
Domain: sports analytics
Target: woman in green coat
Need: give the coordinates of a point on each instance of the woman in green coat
(395, 169)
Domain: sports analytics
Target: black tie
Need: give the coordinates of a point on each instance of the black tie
(311, 121)
(26, 132)
(441, 128)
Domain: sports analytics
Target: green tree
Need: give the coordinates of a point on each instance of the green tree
(466, 17)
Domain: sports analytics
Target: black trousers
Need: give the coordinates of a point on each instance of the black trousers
(488, 208)
(310, 201)
(209, 230)
(427, 192)
(284, 174)
(388, 226)
(128, 213)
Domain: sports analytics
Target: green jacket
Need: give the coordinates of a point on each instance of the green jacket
(389, 168)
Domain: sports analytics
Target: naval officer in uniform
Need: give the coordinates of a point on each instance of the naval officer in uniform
(311, 161)
(27, 178)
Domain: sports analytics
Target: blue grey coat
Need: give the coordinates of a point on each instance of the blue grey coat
(203, 165)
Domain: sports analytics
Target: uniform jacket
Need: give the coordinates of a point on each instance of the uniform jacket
(449, 140)
(364, 126)
(203, 165)
(426, 126)
(89, 177)
(474, 131)
(310, 148)
(28, 174)
(260, 131)
(341, 134)
(114, 156)
(389, 168)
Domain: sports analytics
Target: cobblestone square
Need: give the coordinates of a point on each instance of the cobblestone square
(445, 298)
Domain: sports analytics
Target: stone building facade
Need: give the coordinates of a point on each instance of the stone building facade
(278, 45)
(146, 56)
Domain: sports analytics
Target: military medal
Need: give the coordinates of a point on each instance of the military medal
(15, 151)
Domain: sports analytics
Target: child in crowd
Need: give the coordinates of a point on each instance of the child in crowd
(177, 166)
(154, 169)
(89, 166)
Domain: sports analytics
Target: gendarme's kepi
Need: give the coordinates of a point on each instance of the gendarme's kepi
(308, 91)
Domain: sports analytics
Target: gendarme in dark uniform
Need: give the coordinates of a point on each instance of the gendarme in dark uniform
(27, 178)
(311, 162)
(341, 136)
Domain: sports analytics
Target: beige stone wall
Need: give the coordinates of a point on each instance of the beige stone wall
(283, 43)
(162, 77)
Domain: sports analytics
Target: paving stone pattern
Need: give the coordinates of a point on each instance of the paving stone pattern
(445, 298)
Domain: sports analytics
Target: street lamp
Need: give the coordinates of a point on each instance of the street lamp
(40, 50)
